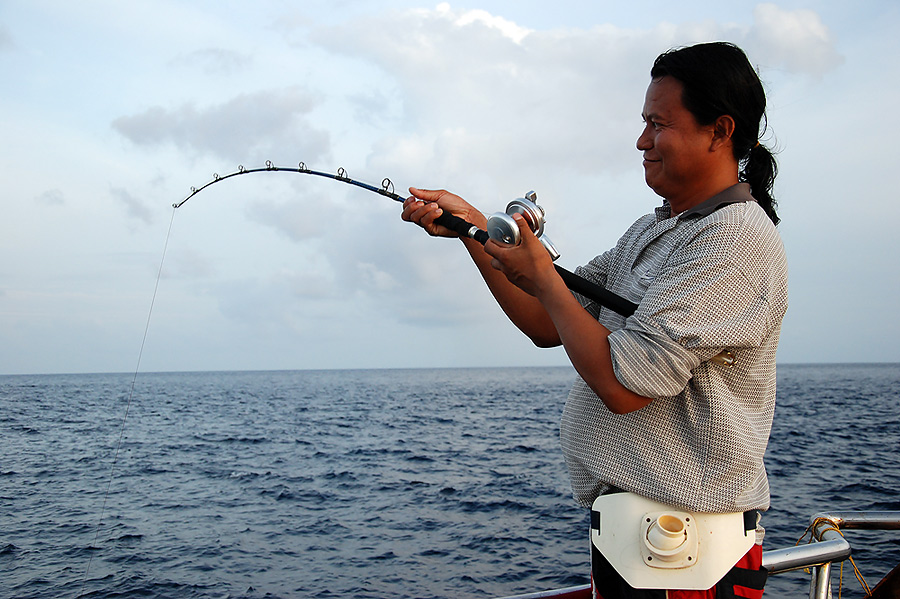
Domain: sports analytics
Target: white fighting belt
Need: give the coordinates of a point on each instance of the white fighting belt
(655, 546)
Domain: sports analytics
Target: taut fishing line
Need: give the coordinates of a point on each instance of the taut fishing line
(501, 227)
(137, 369)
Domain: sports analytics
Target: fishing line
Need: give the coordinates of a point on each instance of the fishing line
(137, 369)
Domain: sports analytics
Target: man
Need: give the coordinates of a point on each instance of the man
(653, 411)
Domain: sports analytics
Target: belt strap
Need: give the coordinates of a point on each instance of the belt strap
(751, 519)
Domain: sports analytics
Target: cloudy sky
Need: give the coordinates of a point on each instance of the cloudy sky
(112, 111)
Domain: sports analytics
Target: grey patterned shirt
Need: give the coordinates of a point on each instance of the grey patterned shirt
(711, 278)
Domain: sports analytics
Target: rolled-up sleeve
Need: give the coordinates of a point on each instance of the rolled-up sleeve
(650, 363)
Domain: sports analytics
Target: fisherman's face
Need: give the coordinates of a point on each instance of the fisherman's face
(675, 146)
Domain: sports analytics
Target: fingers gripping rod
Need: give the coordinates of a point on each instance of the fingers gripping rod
(462, 227)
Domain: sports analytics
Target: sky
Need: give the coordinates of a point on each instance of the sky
(112, 111)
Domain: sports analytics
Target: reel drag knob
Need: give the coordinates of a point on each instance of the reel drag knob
(501, 226)
(528, 208)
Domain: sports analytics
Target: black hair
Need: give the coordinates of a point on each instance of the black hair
(719, 80)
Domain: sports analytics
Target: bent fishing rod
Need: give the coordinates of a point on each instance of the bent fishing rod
(501, 227)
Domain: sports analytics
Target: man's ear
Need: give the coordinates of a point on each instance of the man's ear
(723, 129)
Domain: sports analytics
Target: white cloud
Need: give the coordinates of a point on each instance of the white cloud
(477, 95)
(489, 103)
(264, 123)
(51, 197)
(188, 263)
(496, 108)
(6, 39)
(483, 91)
(292, 219)
(507, 28)
(134, 207)
(798, 40)
(215, 61)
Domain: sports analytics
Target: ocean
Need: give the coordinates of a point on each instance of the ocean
(370, 483)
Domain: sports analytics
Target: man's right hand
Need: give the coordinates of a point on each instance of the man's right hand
(425, 205)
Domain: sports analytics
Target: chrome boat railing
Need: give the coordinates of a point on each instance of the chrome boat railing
(830, 546)
(827, 545)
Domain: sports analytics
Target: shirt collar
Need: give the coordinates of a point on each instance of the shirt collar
(732, 195)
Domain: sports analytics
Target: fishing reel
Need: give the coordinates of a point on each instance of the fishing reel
(502, 227)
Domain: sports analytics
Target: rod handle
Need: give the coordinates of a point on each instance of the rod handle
(462, 227)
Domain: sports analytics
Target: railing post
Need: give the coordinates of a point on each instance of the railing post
(820, 583)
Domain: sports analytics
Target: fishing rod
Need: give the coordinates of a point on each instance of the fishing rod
(501, 227)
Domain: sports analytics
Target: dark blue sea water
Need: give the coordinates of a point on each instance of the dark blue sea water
(378, 483)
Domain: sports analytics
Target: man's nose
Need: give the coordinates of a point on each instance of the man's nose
(645, 140)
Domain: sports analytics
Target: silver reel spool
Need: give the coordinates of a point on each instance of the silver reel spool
(502, 228)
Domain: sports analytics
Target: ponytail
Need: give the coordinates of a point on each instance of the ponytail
(759, 169)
